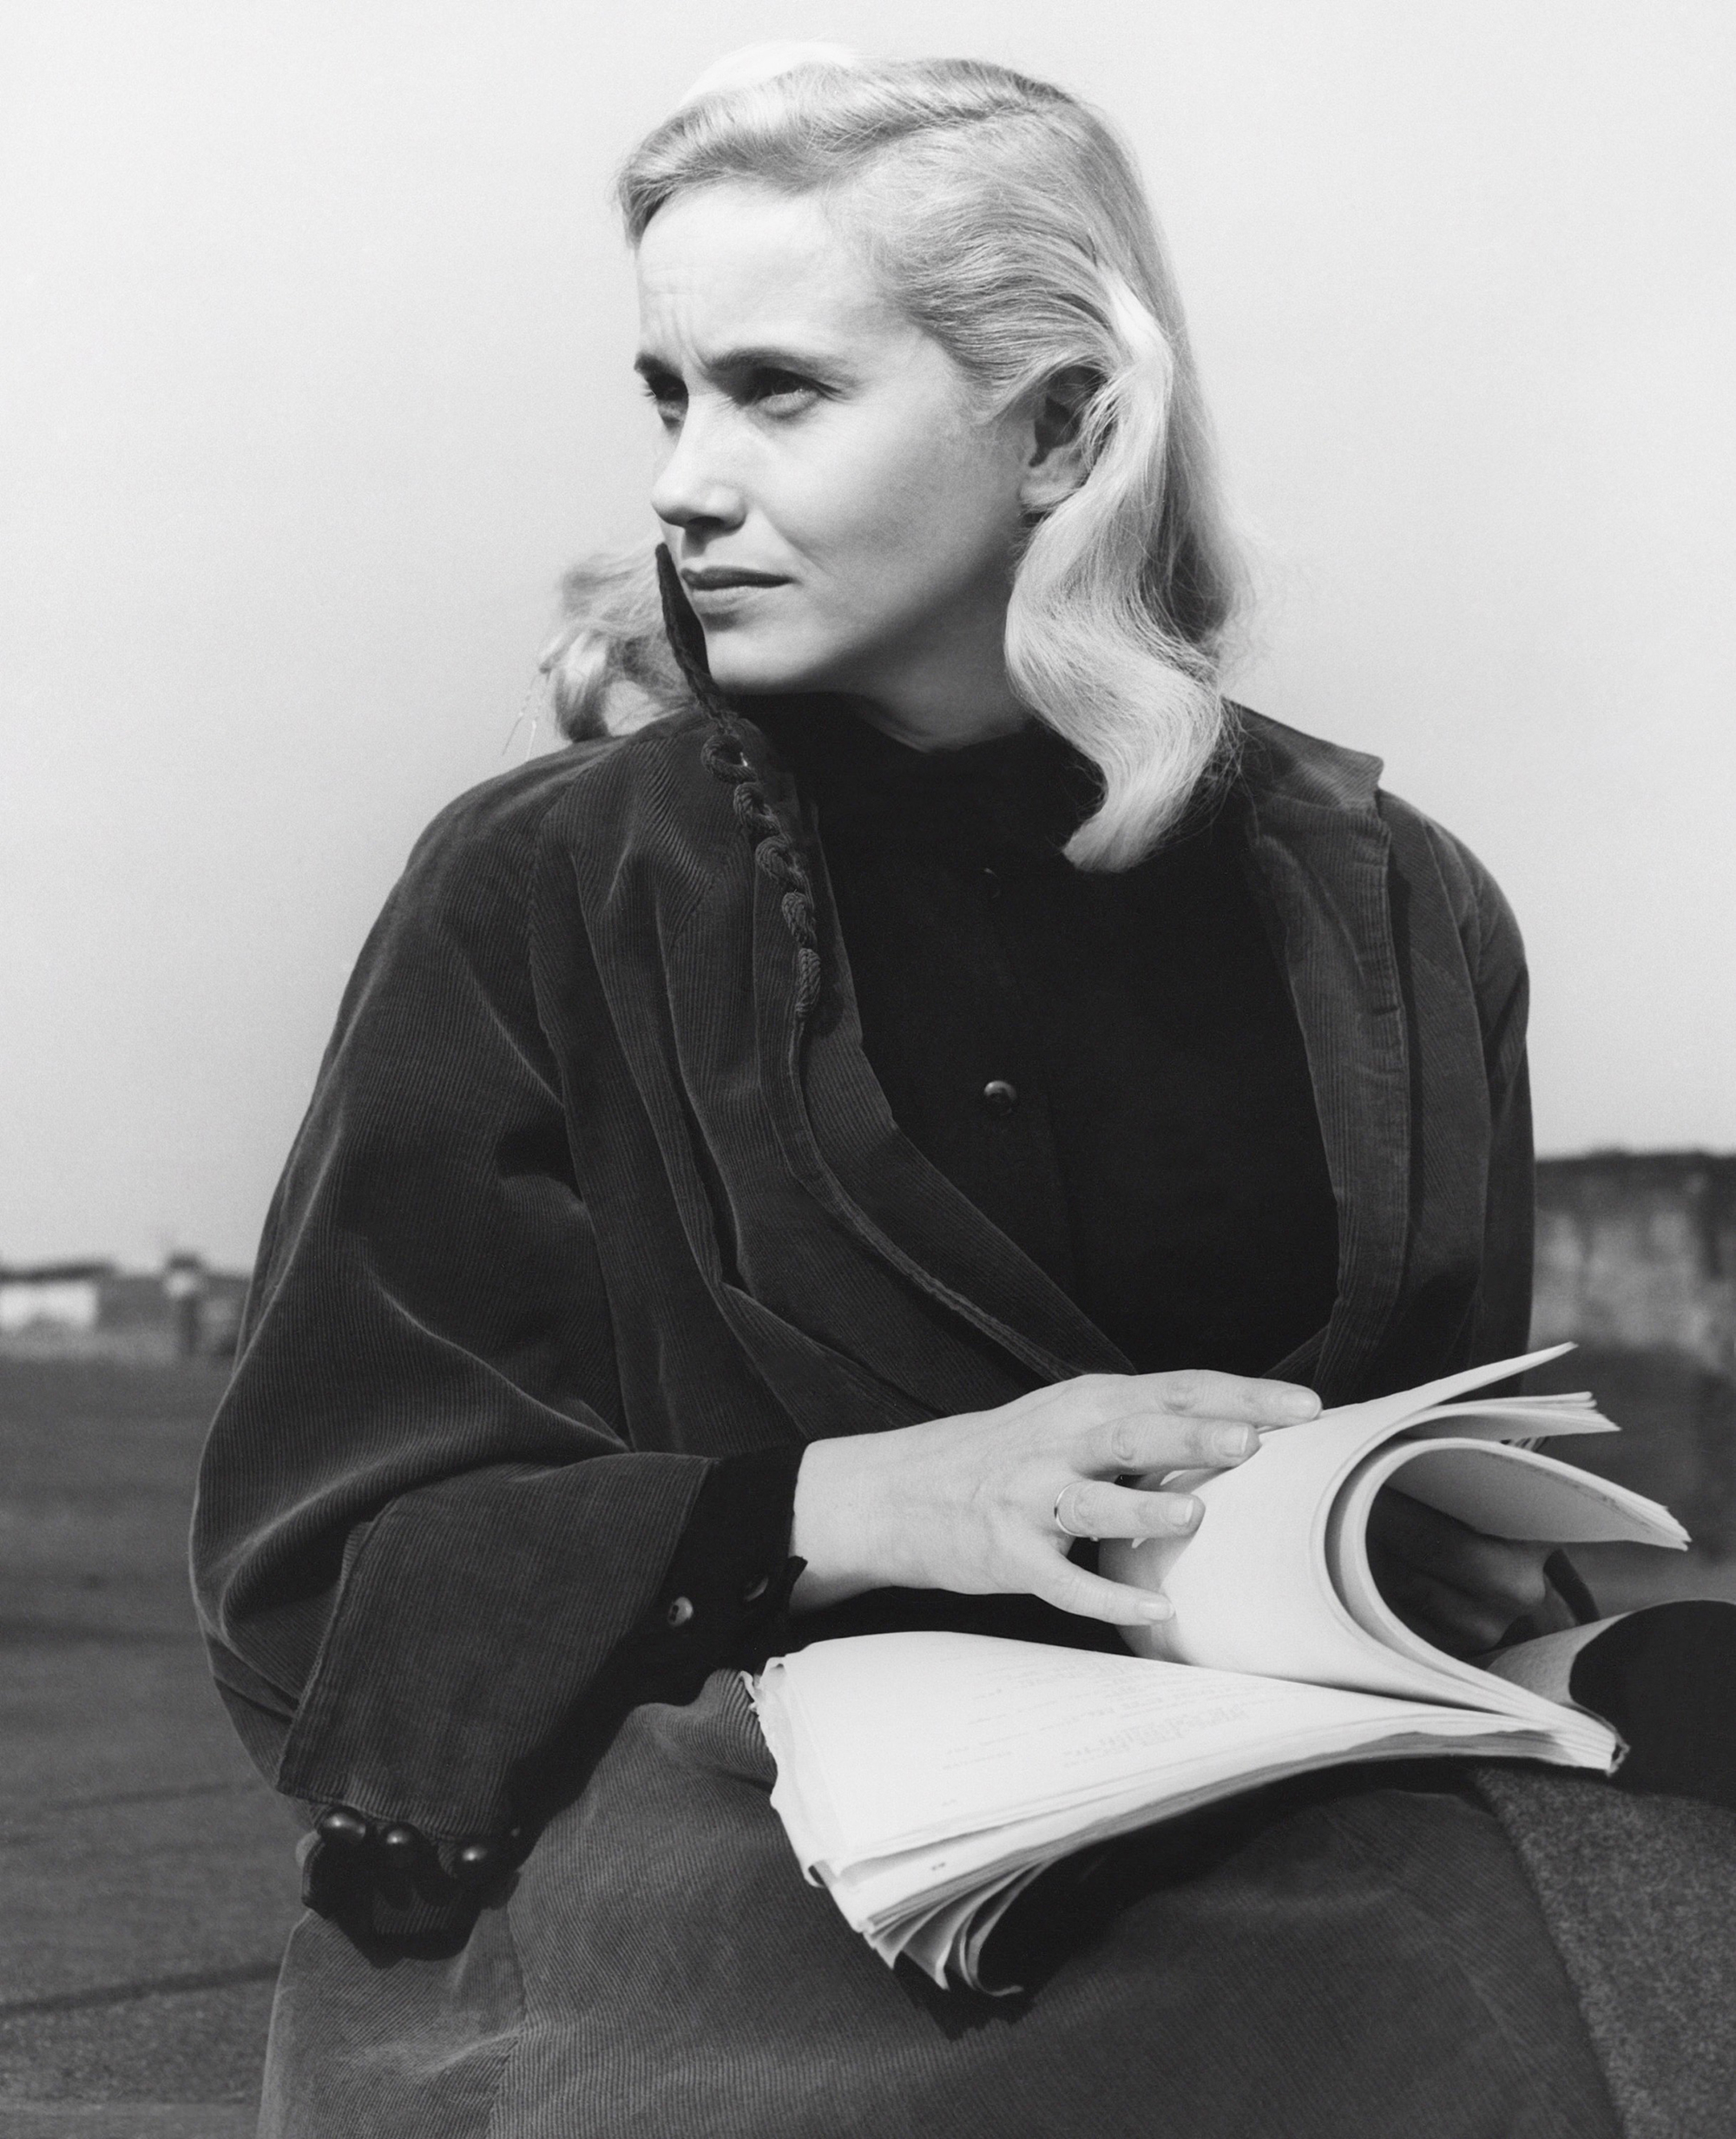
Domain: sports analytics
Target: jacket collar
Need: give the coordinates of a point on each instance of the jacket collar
(1282, 761)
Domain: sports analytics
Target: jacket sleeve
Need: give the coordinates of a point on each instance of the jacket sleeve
(422, 1550)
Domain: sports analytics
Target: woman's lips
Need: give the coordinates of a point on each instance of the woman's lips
(723, 579)
(718, 594)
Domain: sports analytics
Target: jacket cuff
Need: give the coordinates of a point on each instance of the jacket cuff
(724, 1596)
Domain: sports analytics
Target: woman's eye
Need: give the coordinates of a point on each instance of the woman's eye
(668, 396)
(781, 393)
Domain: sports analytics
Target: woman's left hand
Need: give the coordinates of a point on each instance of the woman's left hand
(1456, 1588)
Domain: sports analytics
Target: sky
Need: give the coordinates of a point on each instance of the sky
(315, 375)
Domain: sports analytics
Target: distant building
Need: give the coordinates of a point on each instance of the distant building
(1636, 1262)
(93, 1310)
(54, 1297)
(1636, 1250)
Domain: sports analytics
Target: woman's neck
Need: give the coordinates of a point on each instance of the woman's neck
(944, 690)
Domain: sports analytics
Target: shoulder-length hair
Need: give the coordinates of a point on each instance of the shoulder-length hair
(1008, 220)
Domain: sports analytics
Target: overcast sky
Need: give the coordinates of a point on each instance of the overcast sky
(315, 374)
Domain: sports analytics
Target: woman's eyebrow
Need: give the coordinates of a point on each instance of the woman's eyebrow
(754, 357)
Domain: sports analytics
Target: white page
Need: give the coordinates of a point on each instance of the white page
(932, 1735)
(1251, 1588)
(880, 1891)
(1545, 1666)
(1501, 1490)
(908, 1741)
(947, 1942)
(1509, 1492)
(1514, 1418)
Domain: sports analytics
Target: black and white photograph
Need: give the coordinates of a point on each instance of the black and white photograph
(868, 1121)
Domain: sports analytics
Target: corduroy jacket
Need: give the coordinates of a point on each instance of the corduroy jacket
(597, 1188)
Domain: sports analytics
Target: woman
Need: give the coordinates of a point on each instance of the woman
(780, 1171)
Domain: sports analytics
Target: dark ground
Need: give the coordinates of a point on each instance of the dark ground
(149, 1875)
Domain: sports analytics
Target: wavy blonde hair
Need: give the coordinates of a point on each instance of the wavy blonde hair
(1008, 220)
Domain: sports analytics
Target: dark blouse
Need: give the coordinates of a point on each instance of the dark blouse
(1107, 1063)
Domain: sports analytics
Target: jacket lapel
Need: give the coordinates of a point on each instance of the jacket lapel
(1320, 857)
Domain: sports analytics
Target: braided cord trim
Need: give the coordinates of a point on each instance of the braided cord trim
(774, 853)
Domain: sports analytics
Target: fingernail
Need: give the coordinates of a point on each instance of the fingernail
(1300, 1404)
(1233, 1443)
(1185, 1512)
(1156, 1608)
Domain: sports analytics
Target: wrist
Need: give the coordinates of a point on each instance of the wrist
(828, 1530)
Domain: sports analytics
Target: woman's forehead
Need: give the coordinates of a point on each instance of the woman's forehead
(742, 266)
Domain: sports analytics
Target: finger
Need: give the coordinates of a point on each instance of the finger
(1463, 1626)
(1447, 1639)
(1090, 1508)
(1071, 1588)
(1502, 1570)
(1449, 1621)
(1198, 1392)
(1143, 1441)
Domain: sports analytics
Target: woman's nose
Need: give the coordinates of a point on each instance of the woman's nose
(695, 488)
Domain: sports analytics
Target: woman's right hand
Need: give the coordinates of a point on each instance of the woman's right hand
(969, 1503)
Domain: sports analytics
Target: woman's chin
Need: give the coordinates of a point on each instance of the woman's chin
(743, 668)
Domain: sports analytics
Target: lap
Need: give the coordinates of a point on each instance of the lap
(1365, 1954)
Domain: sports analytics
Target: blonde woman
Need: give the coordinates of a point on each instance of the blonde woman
(921, 1057)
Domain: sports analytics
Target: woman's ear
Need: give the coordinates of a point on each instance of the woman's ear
(1056, 463)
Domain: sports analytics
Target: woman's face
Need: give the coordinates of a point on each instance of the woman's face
(843, 518)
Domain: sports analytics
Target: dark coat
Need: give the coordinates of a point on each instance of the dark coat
(597, 1187)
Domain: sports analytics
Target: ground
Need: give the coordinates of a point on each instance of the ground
(149, 1875)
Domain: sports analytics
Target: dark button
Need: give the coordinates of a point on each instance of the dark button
(678, 1612)
(475, 1864)
(991, 882)
(755, 1590)
(338, 1824)
(999, 1097)
(401, 1847)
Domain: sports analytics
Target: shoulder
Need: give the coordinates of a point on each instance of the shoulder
(559, 796)
(1320, 775)
(493, 871)
(604, 796)
(1480, 910)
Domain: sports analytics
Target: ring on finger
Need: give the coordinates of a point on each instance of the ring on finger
(1060, 1518)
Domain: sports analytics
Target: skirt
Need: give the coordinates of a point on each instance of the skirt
(1437, 1953)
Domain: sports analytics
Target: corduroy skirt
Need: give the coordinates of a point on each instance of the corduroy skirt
(1365, 1953)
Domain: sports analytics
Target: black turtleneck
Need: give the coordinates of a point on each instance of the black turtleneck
(1107, 1063)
